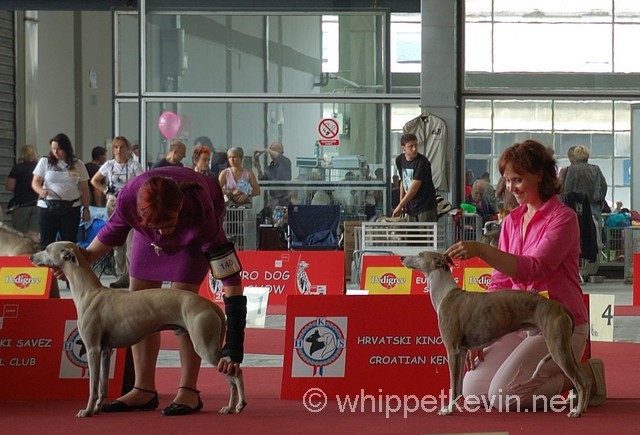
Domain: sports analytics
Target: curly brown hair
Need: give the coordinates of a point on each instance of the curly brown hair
(533, 157)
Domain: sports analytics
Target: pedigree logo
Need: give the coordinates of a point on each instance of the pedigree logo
(20, 281)
(477, 279)
(388, 280)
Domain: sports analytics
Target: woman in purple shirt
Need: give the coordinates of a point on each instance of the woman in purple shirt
(176, 215)
(538, 250)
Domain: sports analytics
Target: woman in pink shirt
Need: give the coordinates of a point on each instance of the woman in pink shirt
(538, 250)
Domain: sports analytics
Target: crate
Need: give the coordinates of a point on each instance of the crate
(613, 248)
(402, 238)
(240, 227)
(466, 226)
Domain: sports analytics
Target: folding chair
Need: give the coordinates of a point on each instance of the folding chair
(313, 227)
(86, 234)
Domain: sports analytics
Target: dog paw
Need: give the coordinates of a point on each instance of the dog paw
(84, 413)
(240, 407)
(447, 410)
(574, 413)
(225, 410)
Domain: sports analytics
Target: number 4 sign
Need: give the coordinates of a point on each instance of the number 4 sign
(601, 317)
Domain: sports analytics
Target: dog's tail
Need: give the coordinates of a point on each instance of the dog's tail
(546, 358)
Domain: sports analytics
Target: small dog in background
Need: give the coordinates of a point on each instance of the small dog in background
(491, 233)
(14, 243)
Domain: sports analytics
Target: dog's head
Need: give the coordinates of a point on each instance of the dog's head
(57, 254)
(427, 261)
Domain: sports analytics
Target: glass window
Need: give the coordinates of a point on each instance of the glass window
(244, 53)
(583, 115)
(406, 43)
(550, 36)
(522, 115)
(127, 53)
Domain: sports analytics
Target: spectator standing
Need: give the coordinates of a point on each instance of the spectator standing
(583, 177)
(417, 192)
(98, 157)
(279, 169)
(468, 182)
(562, 174)
(238, 184)
(117, 172)
(24, 213)
(201, 158)
(62, 184)
(177, 152)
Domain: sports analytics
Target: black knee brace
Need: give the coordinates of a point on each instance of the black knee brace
(235, 307)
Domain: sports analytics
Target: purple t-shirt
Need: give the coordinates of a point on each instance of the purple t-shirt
(178, 256)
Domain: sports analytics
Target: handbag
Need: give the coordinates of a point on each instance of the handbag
(59, 207)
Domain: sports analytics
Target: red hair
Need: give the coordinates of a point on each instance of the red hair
(159, 200)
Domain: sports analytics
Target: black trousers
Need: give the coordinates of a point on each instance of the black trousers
(51, 225)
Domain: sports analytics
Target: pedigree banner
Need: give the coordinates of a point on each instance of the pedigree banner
(385, 275)
(42, 356)
(286, 273)
(20, 279)
(359, 344)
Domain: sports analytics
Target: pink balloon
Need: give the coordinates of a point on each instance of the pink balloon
(169, 124)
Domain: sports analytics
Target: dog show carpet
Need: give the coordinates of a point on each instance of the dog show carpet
(265, 412)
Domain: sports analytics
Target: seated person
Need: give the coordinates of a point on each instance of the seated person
(485, 207)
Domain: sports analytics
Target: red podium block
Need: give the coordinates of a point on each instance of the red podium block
(355, 345)
(42, 356)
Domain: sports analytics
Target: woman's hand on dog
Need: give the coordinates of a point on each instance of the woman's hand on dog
(465, 250)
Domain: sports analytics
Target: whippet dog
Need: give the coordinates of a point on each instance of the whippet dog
(472, 320)
(109, 318)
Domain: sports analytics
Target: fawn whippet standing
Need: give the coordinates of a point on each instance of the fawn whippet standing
(470, 320)
(110, 318)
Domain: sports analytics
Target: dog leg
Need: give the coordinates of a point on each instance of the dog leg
(105, 364)
(456, 365)
(236, 397)
(93, 358)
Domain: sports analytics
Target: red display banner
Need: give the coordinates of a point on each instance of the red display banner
(286, 273)
(42, 356)
(20, 279)
(636, 280)
(351, 345)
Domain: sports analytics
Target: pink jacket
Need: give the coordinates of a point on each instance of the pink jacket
(547, 257)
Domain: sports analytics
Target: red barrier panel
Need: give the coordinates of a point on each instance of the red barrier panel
(636, 280)
(354, 345)
(286, 273)
(41, 354)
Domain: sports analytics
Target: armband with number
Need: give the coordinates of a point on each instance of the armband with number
(223, 261)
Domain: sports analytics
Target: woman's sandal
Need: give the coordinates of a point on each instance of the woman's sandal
(119, 406)
(182, 409)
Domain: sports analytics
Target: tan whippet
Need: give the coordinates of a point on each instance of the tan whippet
(471, 320)
(109, 318)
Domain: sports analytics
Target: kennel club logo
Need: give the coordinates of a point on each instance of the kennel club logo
(319, 347)
(73, 363)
